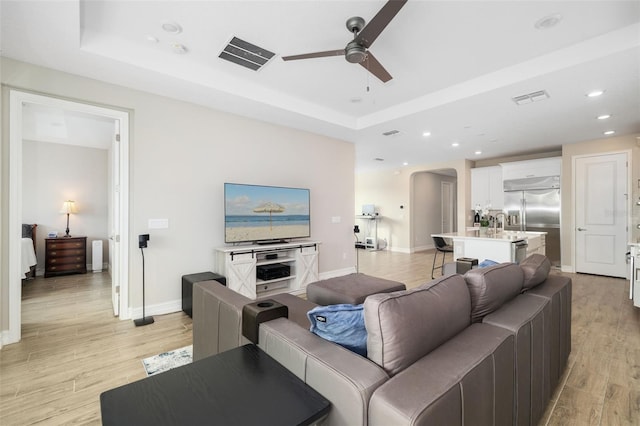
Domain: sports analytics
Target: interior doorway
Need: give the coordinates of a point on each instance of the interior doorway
(118, 203)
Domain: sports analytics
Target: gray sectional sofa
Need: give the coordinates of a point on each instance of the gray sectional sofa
(486, 348)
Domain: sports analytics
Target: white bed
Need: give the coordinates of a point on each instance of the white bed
(28, 257)
(28, 250)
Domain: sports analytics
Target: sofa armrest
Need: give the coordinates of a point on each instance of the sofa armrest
(345, 378)
(217, 319)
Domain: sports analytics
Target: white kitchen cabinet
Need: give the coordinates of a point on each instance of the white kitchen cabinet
(486, 187)
(532, 168)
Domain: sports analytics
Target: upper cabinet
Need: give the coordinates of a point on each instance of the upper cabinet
(532, 168)
(486, 187)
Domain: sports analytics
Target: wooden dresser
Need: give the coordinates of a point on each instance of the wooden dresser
(65, 255)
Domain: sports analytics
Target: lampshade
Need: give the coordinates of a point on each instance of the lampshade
(69, 206)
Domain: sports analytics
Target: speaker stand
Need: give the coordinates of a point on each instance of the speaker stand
(144, 320)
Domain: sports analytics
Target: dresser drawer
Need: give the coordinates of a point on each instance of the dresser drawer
(62, 245)
(63, 260)
(67, 268)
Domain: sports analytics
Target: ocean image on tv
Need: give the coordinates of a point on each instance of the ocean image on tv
(255, 213)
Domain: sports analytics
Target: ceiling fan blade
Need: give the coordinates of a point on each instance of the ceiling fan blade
(314, 55)
(372, 30)
(374, 67)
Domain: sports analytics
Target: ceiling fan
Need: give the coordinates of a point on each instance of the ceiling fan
(357, 51)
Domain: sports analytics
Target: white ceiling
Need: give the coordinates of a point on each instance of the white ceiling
(455, 66)
(56, 125)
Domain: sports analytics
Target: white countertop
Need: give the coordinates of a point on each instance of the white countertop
(506, 236)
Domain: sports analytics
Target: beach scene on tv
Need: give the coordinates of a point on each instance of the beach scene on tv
(257, 213)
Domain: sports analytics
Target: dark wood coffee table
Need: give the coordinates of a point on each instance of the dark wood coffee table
(243, 386)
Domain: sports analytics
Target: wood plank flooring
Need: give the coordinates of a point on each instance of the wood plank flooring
(73, 348)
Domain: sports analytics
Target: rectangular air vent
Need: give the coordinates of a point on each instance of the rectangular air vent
(246, 54)
(391, 132)
(540, 95)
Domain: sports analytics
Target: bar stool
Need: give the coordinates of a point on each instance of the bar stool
(442, 247)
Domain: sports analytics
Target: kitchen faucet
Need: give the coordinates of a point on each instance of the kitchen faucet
(495, 222)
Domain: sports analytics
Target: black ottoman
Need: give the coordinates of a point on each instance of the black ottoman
(187, 288)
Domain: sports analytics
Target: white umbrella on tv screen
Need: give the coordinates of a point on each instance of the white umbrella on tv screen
(270, 208)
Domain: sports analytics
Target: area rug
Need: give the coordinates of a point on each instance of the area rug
(168, 360)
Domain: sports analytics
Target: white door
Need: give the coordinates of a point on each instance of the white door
(447, 206)
(114, 237)
(601, 214)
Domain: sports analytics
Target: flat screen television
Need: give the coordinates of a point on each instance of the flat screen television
(262, 214)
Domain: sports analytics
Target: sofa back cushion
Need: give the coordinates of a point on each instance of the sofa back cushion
(536, 270)
(492, 287)
(404, 326)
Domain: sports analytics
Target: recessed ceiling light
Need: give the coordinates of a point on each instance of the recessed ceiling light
(609, 132)
(478, 152)
(548, 21)
(152, 39)
(603, 116)
(426, 134)
(171, 27)
(455, 144)
(179, 48)
(595, 93)
(405, 164)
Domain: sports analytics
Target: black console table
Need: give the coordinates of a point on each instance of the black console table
(242, 386)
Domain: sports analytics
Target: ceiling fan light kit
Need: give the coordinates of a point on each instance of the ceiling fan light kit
(356, 51)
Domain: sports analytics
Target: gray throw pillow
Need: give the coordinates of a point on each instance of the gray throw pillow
(536, 270)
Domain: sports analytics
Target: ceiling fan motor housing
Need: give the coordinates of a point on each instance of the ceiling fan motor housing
(355, 53)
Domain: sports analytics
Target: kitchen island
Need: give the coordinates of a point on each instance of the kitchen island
(500, 246)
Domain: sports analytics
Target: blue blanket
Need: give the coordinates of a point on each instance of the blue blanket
(341, 324)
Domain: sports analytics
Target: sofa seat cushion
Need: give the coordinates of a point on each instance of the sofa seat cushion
(346, 379)
(404, 326)
(492, 287)
(536, 269)
(466, 381)
(350, 289)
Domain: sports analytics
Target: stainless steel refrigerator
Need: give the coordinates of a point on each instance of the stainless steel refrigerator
(533, 204)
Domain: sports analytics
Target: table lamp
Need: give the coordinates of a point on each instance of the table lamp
(68, 207)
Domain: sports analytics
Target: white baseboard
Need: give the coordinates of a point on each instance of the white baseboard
(337, 273)
(6, 338)
(158, 309)
(401, 250)
(568, 268)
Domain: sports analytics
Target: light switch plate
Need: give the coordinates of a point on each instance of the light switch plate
(158, 223)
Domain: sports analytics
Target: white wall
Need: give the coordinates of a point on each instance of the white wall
(180, 155)
(53, 173)
(390, 190)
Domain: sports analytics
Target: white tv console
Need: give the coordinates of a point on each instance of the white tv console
(239, 265)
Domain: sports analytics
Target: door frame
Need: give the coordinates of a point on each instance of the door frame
(17, 99)
(574, 158)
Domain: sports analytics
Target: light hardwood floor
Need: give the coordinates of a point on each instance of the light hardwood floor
(73, 348)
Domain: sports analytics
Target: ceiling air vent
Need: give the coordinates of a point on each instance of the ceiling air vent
(540, 95)
(246, 54)
(391, 132)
